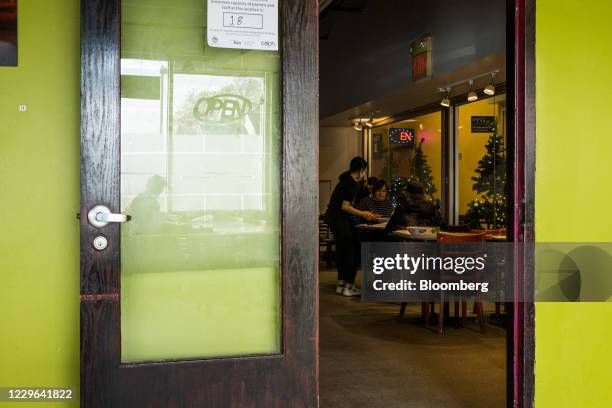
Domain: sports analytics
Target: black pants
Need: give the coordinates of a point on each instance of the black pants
(347, 250)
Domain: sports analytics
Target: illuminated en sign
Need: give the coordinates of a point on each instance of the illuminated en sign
(403, 136)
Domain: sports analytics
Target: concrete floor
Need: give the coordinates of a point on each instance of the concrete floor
(371, 358)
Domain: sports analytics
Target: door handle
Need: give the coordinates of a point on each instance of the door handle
(100, 216)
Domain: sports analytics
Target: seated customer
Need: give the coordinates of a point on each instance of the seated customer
(377, 202)
(413, 208)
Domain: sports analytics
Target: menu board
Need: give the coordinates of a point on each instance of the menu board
(483, 124)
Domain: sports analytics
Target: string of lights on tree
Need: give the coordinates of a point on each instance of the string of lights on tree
(421, 173)
(490, 184)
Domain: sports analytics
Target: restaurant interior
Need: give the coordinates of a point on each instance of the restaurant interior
(418, 89)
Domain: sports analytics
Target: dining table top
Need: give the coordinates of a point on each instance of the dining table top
(404, 233)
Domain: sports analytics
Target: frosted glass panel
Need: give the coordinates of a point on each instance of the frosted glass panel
(200, 177)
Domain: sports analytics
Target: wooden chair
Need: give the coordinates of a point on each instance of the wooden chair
(456, 228)
(489, 233)
(459, 238)
(326, 243)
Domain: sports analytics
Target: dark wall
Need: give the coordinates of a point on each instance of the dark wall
(367, 55)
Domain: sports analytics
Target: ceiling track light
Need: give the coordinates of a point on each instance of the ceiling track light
(360, 121)
(471, 97)
(446, 100)
(490, 89)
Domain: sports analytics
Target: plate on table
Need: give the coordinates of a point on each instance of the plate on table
(425, 233)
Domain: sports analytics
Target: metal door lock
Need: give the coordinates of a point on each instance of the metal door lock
(100, 243)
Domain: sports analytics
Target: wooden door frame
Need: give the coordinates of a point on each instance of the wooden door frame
(286, 379)
(522, 17)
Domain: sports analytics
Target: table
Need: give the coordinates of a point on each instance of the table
(405, 234)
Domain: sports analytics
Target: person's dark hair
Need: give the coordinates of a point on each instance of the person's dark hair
(357, 164)
(372, 180)
(379, 185)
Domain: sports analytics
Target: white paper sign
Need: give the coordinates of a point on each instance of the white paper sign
(245, 24)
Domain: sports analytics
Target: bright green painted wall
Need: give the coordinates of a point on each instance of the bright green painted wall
(573, 192)
(39, 190)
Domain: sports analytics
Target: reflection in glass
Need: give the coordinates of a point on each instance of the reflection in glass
(200, 175)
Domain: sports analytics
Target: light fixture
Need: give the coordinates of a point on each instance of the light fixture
(490, 89)
(471, 97)
(357, 125)
(446, 100)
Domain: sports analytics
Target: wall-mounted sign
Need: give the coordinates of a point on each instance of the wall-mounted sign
(403, 136)
(483, 124)
(420, 51)
(244, 24)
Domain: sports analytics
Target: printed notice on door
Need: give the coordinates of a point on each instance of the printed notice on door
(245, 24)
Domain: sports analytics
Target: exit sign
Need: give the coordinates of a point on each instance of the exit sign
(420, 51)
(419, 67)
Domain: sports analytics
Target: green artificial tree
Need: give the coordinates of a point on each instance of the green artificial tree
(421, 171)
(490, 184)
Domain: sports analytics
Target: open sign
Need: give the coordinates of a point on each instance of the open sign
(224, 108)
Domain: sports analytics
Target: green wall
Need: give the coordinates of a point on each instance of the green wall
(39, 190)
(573, 192)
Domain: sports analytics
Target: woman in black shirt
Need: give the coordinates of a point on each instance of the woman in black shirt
(338, 217)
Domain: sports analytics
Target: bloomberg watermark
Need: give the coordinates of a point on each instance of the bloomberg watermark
(429, 271)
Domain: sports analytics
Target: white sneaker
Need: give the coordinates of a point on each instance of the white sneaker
(352, 291)
(339, 289)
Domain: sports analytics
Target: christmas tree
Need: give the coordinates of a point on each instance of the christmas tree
(490, 183)
(421, 171)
